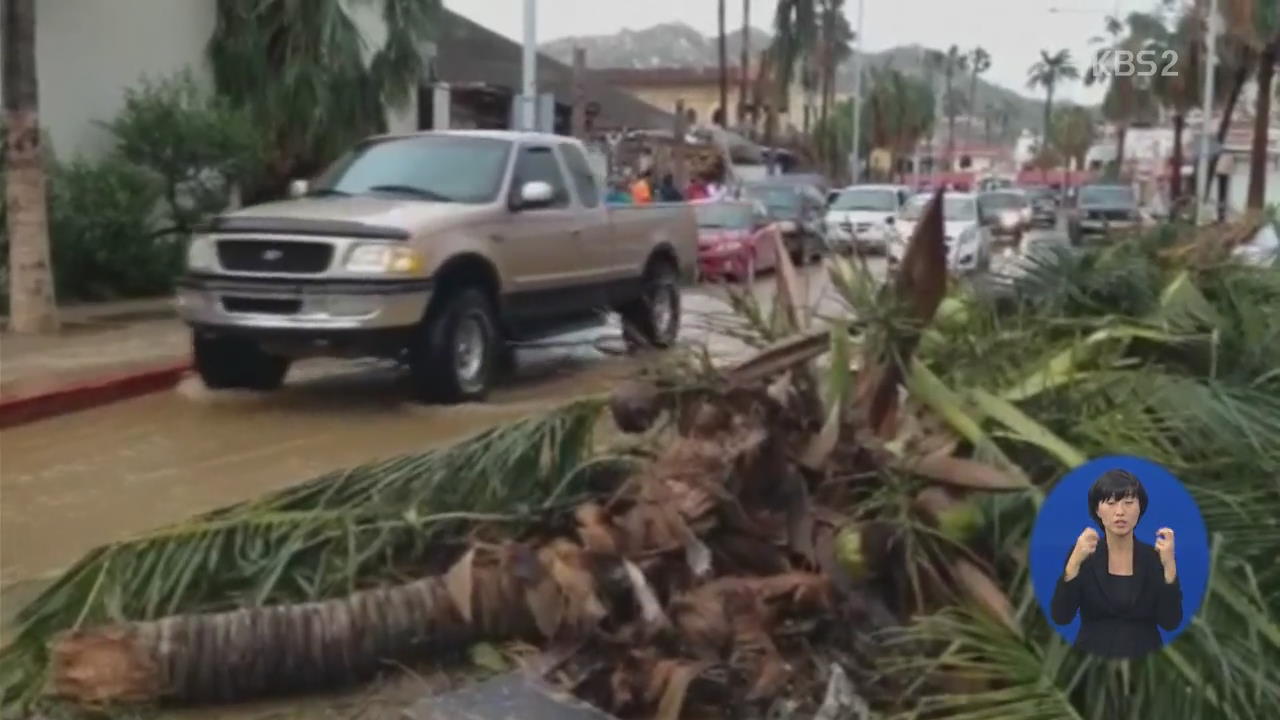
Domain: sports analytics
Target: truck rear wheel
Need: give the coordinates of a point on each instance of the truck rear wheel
(455, 356)
(225, 363)
(653, 319)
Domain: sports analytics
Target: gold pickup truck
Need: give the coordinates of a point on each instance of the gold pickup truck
(440, 249)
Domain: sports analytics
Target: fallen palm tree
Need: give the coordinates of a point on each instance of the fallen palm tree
(844, 514)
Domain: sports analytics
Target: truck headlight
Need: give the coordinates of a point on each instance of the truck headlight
(201, 256)
(1009, 218)
(380, 258)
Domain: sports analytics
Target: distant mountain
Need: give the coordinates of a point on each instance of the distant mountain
(679, 45)
(666, 45)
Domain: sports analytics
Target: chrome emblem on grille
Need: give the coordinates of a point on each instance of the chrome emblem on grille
(272, 255)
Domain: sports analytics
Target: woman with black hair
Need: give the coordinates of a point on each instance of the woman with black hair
(1129, 588)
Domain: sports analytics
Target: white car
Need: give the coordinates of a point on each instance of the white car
(863, 216)
(968, 242)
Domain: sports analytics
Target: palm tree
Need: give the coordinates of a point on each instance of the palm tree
(1257, 24)
(1008, 110)
(32, 306)
(795, 28)
(1179, 93)
(835, 34)
(744, 65)
(979, 63)
(1073, 132)
(299, 69)
(1046, 73)
(1127, 99)
(954, 62)
(724, 70)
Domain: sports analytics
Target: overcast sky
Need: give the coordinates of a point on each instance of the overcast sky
(1013, 31)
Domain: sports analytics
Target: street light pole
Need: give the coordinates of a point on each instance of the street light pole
(1211, 61)
(856, 103)
(529, 86)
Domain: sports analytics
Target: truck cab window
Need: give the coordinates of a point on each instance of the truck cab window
(540, 164)
(584, 181)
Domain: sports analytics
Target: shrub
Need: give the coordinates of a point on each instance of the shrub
(101, 220)
(194, 142)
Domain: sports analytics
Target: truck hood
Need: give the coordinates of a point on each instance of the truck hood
(346, 214)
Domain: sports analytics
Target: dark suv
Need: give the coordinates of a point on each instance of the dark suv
(1102, 208)
(798, 210)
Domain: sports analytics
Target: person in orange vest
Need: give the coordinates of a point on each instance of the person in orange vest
(641, 190)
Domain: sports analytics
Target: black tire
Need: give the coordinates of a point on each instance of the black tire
(653, 319)
(226, 363)
(445, 367)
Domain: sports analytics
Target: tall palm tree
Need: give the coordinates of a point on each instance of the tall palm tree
(1180, 93)
(724, 70)
(744, 64)
(954, 63)
(300, 70)
(979, 63)
(1127, 99)
(835, 35)
(795, 26)
(1046, 73)
(1257, 24)
(32, 307)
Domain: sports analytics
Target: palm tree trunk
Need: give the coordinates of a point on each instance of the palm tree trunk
(724, 71)
(1122, 132)
(744, 69)
(1048, 114)
(1262, 126)
(1175, 179)
(32, 307)
(1238, 81)
(949, 108)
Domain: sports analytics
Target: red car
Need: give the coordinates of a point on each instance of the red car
(735, 239)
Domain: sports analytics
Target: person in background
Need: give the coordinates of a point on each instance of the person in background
(715, 189)
(668, 192)
(618, 193)
(697, 189)
(641, 190)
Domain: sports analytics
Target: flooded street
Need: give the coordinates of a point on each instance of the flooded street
(78, 481)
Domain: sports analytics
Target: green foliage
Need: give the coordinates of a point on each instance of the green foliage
(100, 220)
(299, 70)
(194, 141)
(1073, 132)
(324, 538)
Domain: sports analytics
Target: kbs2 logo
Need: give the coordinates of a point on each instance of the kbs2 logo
(1142, 64)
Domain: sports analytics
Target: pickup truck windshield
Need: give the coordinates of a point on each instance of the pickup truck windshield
(874, 200)
(722, 215)
(1004, 201)
(437, 168)
(952, 208)
(1109, 196)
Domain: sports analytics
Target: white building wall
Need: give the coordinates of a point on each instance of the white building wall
(89, 52)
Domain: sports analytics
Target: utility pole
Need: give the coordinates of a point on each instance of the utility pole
(1211, 61)
(854, 161)
(529, 86)
(578, 113)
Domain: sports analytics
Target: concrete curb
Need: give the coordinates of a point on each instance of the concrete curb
(84, 394)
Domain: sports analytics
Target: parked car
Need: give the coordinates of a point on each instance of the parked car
(1007, 213)
(1044, 206)
(735, 239)
(437, 249)
(1102, 208)
(797, 209)
(969, 242)
(862, 217)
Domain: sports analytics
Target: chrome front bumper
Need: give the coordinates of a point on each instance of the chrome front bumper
(293, 305)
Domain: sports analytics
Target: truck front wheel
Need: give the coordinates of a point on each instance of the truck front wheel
(455, 356)
(225, 363)
(653, 319)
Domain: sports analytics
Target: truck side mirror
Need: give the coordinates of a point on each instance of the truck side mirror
(299, 188)
(535, 194)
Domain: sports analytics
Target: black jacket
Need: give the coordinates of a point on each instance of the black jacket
(1109, 627)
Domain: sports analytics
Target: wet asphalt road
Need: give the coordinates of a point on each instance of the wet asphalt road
(71, 483)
